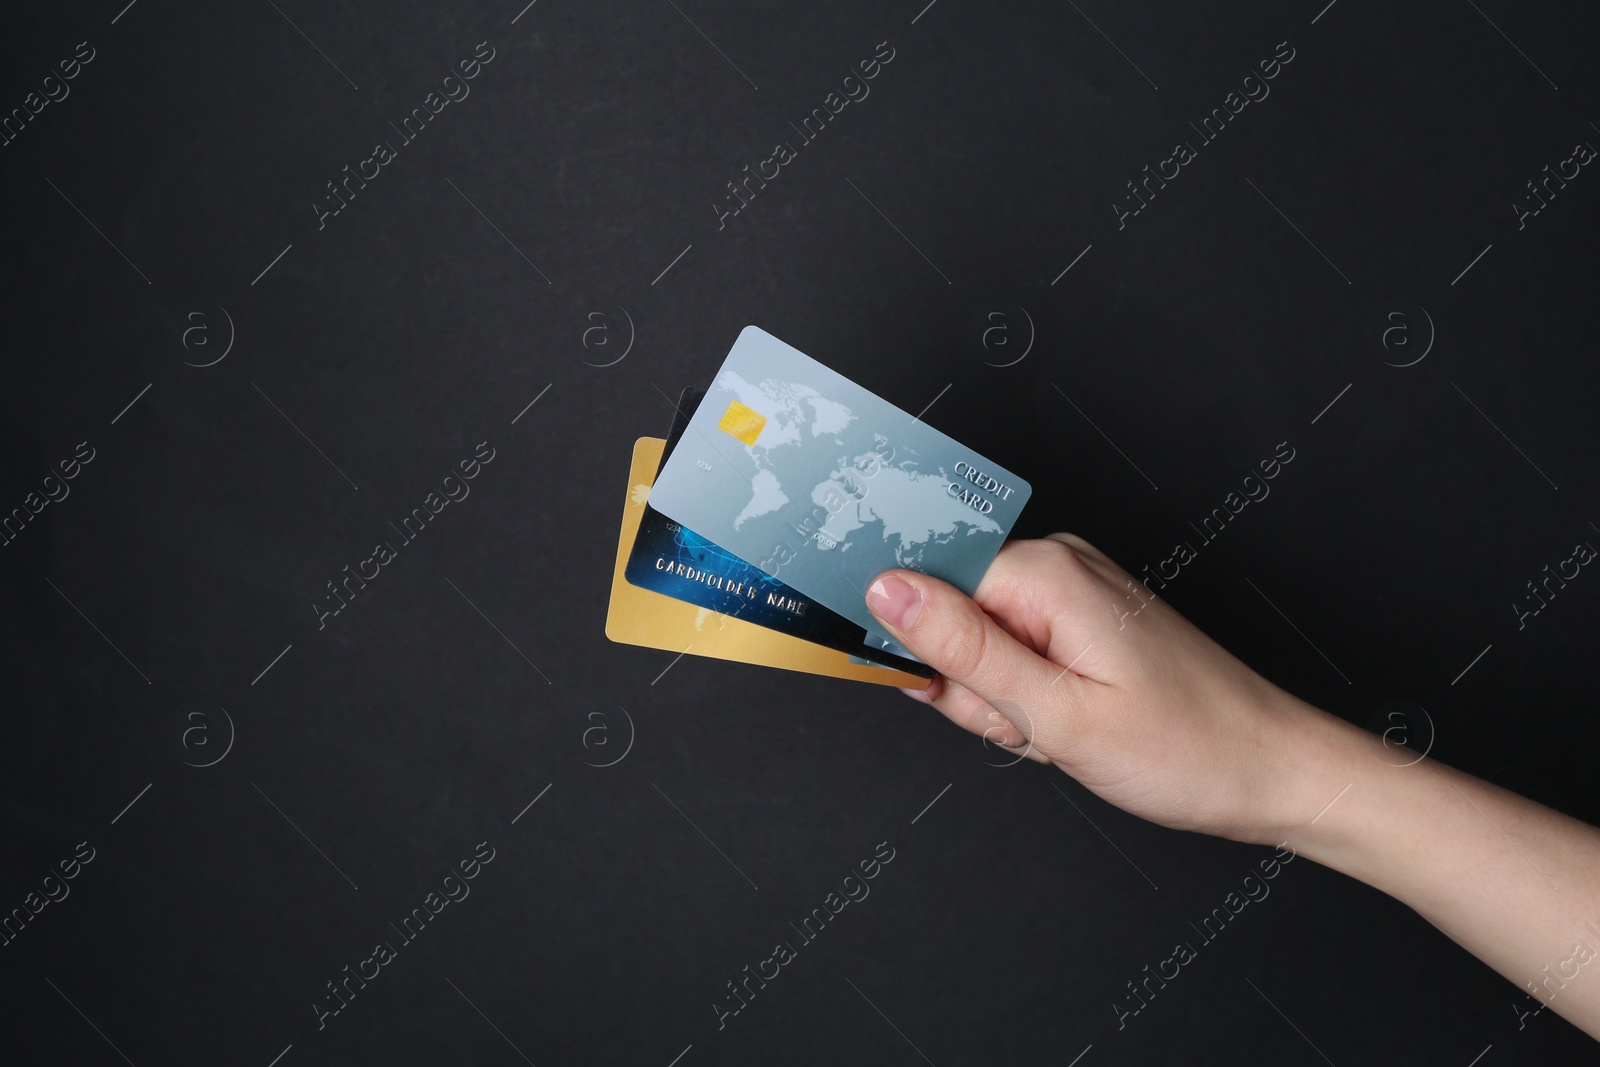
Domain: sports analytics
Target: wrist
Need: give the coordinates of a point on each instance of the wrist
(1356, 801)
(1319, 761)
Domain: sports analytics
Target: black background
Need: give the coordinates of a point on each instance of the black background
(420, 322)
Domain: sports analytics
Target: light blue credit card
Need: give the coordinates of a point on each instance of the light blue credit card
(820, 483)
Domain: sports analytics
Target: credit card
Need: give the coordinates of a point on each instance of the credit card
(672, 559)
(823, 485)
(639, 617)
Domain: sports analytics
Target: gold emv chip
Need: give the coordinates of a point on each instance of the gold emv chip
(742, 422)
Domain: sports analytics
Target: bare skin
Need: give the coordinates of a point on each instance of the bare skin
(1063, 657)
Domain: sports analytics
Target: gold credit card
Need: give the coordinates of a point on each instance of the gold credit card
(640, 617)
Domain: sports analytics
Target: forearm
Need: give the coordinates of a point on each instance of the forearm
(1514, 883)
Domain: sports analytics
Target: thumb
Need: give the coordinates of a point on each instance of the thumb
(948, 630)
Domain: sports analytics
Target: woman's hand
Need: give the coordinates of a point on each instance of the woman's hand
(1064, 655)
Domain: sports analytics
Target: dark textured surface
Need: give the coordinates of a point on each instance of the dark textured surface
(145, 607)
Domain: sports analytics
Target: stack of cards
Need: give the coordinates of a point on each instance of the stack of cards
(753, 531)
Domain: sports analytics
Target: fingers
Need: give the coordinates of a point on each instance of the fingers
(1042, 606)
(949, 632)
(1029, 752)
(1049, 594)
(974, 714)
(971, 712)
(1010, 730)
(1063, 597)
(1082, 547)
